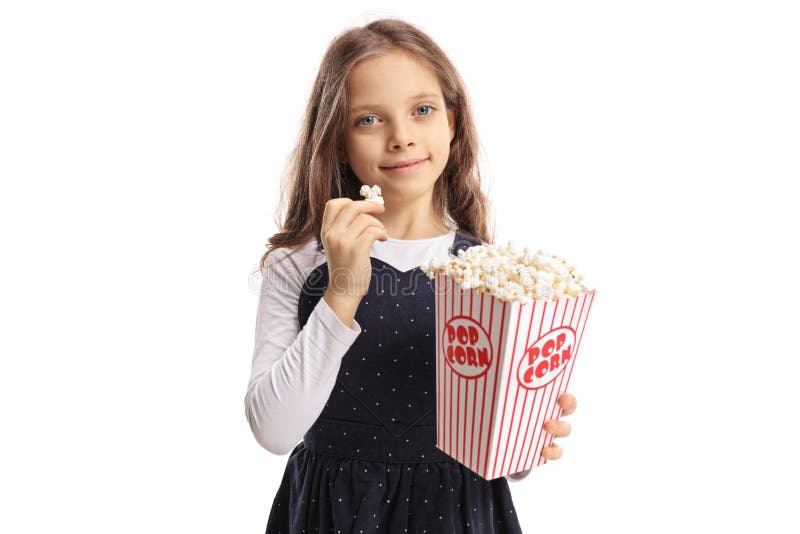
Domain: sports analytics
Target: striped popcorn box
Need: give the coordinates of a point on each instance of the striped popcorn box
(500, 367)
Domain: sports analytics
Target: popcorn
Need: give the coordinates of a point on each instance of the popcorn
(372, 194)
(510, 274)
(509, 323)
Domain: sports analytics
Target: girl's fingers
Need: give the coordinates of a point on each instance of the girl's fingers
(559, 429)
(332, 209)
(369, 236)
(352, 210)
(340, 212)
(553, 452)
(361, 223)
(567, 402)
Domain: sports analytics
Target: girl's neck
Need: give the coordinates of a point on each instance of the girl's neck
(409, 228)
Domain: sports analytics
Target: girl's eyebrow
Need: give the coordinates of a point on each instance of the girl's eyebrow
(415, 97)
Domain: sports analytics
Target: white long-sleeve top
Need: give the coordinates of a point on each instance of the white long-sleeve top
(294, 370)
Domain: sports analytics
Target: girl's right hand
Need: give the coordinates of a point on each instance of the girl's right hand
(348, 232)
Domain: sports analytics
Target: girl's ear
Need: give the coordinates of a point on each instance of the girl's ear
(451, 121)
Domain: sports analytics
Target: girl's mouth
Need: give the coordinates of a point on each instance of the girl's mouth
(405, 168)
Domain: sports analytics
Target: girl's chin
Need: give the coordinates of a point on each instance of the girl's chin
(405, 188)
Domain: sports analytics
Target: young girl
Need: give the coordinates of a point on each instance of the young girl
(344, 355)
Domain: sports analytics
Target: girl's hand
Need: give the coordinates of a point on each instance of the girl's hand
(559, 429)
(348, 232)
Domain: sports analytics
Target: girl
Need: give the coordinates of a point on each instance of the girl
(343, 362)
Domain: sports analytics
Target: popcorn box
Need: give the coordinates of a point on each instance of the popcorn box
(500, 367)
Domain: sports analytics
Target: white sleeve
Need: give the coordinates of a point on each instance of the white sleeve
(293, 371)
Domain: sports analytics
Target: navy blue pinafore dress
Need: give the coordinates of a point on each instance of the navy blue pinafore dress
(370, 463)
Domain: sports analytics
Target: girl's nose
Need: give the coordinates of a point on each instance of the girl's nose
(401, 135)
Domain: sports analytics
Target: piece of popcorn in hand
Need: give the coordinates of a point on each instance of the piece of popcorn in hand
(372, 194)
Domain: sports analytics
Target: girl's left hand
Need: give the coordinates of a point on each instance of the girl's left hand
(559, 429)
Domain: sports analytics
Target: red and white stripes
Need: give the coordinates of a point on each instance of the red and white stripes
(492, 422)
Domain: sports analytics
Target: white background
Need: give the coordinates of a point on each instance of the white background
(653, 144)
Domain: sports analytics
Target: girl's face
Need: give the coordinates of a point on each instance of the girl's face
(397, 113)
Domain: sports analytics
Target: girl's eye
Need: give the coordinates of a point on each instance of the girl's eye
(373, 116)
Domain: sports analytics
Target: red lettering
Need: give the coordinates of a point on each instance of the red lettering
(483, 357)
(533, 353)
(528, 376)
(461, 332)
(541, 369)
(566, 354)
(468, 355)
(546, 357)
(460, 356)
(451, 334)
(465, 348)
(473, 335)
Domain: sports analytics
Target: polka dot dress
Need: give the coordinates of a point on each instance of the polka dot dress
(369, 464)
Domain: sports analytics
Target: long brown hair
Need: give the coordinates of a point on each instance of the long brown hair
(313, 174)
